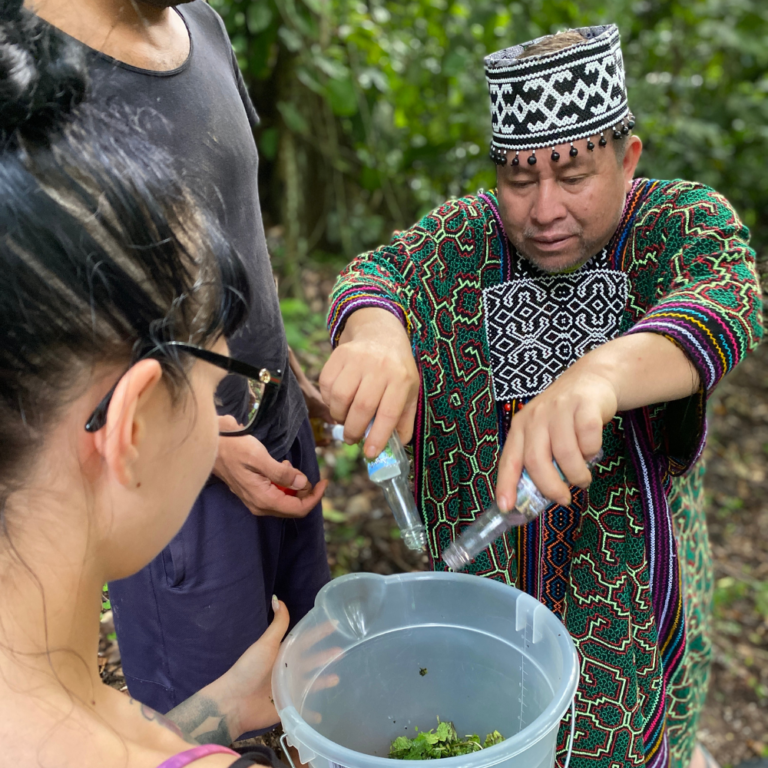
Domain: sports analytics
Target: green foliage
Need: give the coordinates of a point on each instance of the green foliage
(729, 590)
(440, 742)
(374, 112)
(347, 461)
(303, 328)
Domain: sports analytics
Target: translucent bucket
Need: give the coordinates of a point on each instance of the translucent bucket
(410, 648)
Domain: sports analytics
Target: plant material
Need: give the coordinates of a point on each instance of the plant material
(440, 742)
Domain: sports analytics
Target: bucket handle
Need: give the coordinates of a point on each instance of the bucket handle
(570, 740)
(290, 759)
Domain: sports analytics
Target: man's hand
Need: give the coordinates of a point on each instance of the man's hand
(372, 373)
(241, 699)
(244, 464)
(565, 422)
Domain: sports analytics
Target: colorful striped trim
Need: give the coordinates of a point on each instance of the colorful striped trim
(665, 575)
(196, 753)
(640, 190)
(357, 298)
(535, 557)
(707, 341)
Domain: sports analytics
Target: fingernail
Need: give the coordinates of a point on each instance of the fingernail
(372, 451)
(275, 604)
(502, 502)
(299, 483)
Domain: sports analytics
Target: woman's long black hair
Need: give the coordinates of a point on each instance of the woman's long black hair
(104, 256)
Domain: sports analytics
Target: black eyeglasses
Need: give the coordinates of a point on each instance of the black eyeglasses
(245, 393)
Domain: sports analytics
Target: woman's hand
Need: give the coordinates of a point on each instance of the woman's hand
(241, 699)
(246, 689)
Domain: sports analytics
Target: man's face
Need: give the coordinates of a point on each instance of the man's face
(559, 214)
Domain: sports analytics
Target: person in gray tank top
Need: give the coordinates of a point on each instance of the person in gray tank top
(185, 618)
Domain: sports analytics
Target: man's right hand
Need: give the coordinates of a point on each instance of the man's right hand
(372, 373)
(245, 465)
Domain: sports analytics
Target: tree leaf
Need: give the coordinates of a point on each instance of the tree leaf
(258, 17)
(342, 97)
(293, 118)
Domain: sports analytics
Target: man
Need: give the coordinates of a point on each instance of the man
(189, 615)
(573, 310)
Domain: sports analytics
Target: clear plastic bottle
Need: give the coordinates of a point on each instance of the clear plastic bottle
(390, 470)
(493, 522)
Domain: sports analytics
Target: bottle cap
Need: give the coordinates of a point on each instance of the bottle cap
(337, 432)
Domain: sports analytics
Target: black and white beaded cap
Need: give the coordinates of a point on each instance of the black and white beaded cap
(557, 98)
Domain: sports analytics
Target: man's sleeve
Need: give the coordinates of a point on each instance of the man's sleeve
(388, 277)
(708, 303)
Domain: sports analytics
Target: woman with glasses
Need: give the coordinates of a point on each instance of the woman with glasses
(115, 298)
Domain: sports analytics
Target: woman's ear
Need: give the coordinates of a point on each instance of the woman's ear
(119, 440)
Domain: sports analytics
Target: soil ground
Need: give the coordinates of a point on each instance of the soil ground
(362, 536)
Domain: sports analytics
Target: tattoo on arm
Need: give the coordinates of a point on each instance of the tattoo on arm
(201, 721)
(196, 720)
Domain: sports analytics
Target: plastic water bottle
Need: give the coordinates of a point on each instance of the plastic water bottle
(389, 470)
(530, 503)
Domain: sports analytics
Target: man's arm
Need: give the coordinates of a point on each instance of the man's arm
(314, 400)
(565, 422)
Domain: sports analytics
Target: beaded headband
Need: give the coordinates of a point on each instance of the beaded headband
(557, 98)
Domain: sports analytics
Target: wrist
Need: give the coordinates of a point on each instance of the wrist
(605, 368)
(219, 692)
(220, 465)
(368, 322)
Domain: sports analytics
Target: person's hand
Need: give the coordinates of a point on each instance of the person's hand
(245, 465)
(564, 423)
(372, 373)
(245, 690)
(241, 699)
(566, 420)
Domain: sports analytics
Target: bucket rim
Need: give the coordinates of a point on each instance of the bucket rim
(295, 726)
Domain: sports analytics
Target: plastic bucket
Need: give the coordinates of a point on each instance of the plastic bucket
(410, 648)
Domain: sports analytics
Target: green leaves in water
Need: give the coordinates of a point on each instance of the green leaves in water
(440, 742)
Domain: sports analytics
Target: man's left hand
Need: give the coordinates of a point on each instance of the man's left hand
(564, 423)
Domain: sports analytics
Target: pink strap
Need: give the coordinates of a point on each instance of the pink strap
(196, 753)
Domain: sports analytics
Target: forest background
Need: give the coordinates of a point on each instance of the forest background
(374, 112)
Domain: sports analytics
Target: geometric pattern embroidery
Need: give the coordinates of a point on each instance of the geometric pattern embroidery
(539, 327)
(555, 98)
(546, 575)
(691, 278)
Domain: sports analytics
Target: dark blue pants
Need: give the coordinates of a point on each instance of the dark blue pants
(184, 619)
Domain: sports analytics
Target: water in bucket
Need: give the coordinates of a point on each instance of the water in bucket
(382, 656)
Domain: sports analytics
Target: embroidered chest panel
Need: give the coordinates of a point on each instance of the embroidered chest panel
(538, 326)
